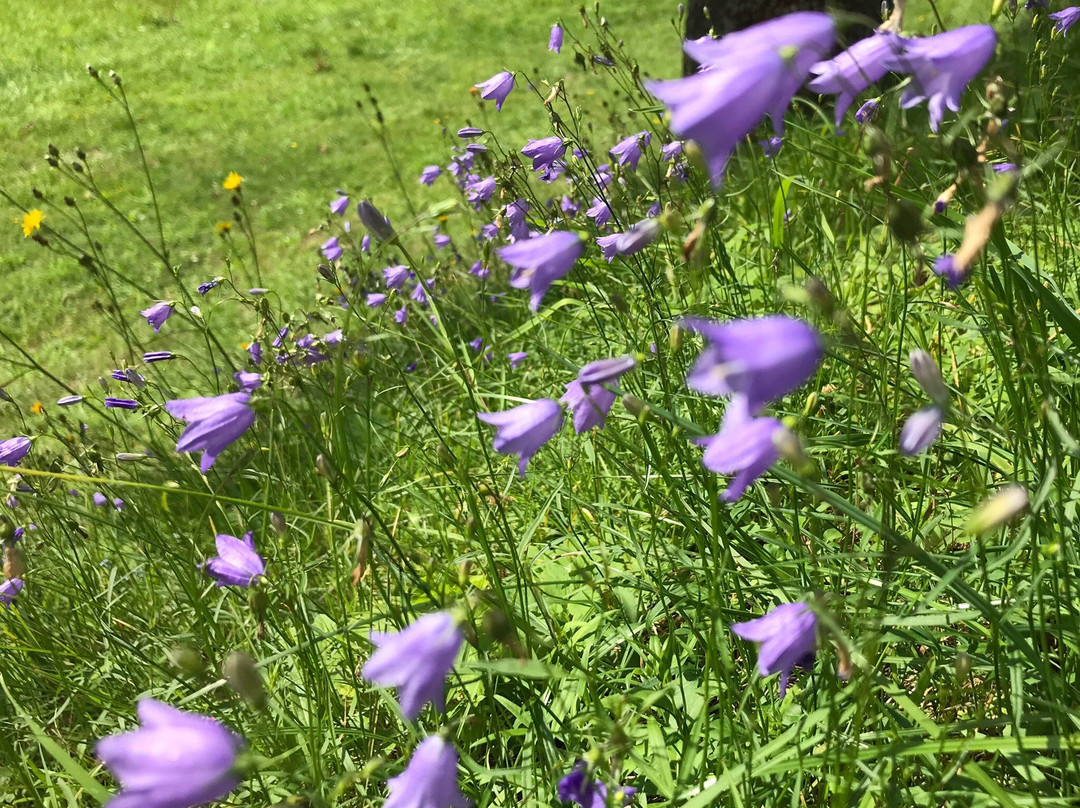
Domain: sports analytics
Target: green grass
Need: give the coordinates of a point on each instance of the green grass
(597, 592)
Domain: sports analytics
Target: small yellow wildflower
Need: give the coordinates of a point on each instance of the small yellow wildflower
(32, 221)
(223, 227)
(232, 182)
(38, 408)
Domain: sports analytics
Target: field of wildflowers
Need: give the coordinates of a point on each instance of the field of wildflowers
(713, 445)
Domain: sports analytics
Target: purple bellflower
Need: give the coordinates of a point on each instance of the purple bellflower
(248, 381)
(157, 314)
(867, 111)
(609, 246)
(1065, 19)
(155, 356)
(627, 152)
(786, 637)
(516, 358)
(174, 759)
(952, 271)
(638, 237)
(556, 38)
(430, 779)
(762, 358)
(746, 76)
(9, 590)
(745, 446)
(586, 397)
(331, 249)
(852, 71)
(255, 352)
(213, 423)
(99, 499)
(237, 563)
(479, 191)
(203, 288)
(941, 66)
(396, 276)
(375, 299)
(921, 430)
(429, 175)
(539, 262)
(581, 788)
(340, 205)
(544, 152)
(522, 430)
(671, 151)
(600, 213)
(376, 224)
(497, 88)
(416, 660)
(13, 450)
(771, 146)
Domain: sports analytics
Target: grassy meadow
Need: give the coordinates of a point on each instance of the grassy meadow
(921, 523)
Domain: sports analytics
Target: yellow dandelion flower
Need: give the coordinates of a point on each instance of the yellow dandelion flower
(32, 221)
(232, 182)
(38, 408)
(223, 227)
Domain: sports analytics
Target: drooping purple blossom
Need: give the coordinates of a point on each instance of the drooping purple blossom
(603, 176)
(479, 191)
(375, 299)
(670, 151)
(401, 315)
(867, 111)
(365, 244)
(237, 562)
(556, 39)
(522, 430)
(589, 405)
(1003, 168)
(441, 240)
(121, 403)
(762, 358)
(174, 759)
(248, 381)
(638, 237)
(340, 205)
(1065, 19)
(331, 249)
(569, 207)
(786, 637)
(609, 246)
(9, 590)
(416, 660)
(544, 152)
(746, 76)
(255, 352)
(582, 788)
(771, 146)
(203, 288)
(99, 499)
(429, 175)
(396, 276)
(516, 358)
(539, 262)
(157, 314)
(599, 212)
(941, 66)
(13, 450)
(213, 423)
(480, 271)
(745, 446)
(853, 70)
(280, 338)
(119, 504)
(430, 779)
(627, 152)
(497, 88)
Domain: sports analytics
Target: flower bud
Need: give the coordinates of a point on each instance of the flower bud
(928, 376)
(904, 219)
(185, 659)
(963, 666)
(322, 466)
(789, 446)
(376, 224)
(13, 562)
(277, 521)
(874, 141)
(242, 675)
(1005, 504)
(636, 407)
(675, 338)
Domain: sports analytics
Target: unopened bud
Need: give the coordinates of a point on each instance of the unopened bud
(996, 98)
(789, 446)
(904, 219)
(874, 141)
(242, 675)
(131, 457)
(1004, 505)
(13, 562)
(963, 666)
(185, 659)
(498, 626)
(636, 407)
(675, 338)
(278, 523)
(376, 224)
(926, 373)
(322, 466)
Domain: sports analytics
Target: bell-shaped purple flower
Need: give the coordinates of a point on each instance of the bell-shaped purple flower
(951, 270)
(627, 152)
(248, 381)
(539, 262)
(157, 314)
(786, 637)
(762, 358)
(516, 358)
(174, 759)
(582, 788)
(921, 430)
(556, 38)
(638, 237)
(9, 590)
(671, 151)
(599, 212)
(430, 779)
(213, 423)
(747, 75)
(99, 499)
(941, 66)
(340, 205)
(522, 430)
(865, 112)
(237, 562)
(497, 88)
(609, 246)
(544, 152)
(13, 450)
(1066, 18)
(928, 375)
(396, 276)
(479, 191)
(852, 71)
(331, 249)
(603, 371)
(745, 446)
(429, 175)
(589, 405)
(416, 660)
